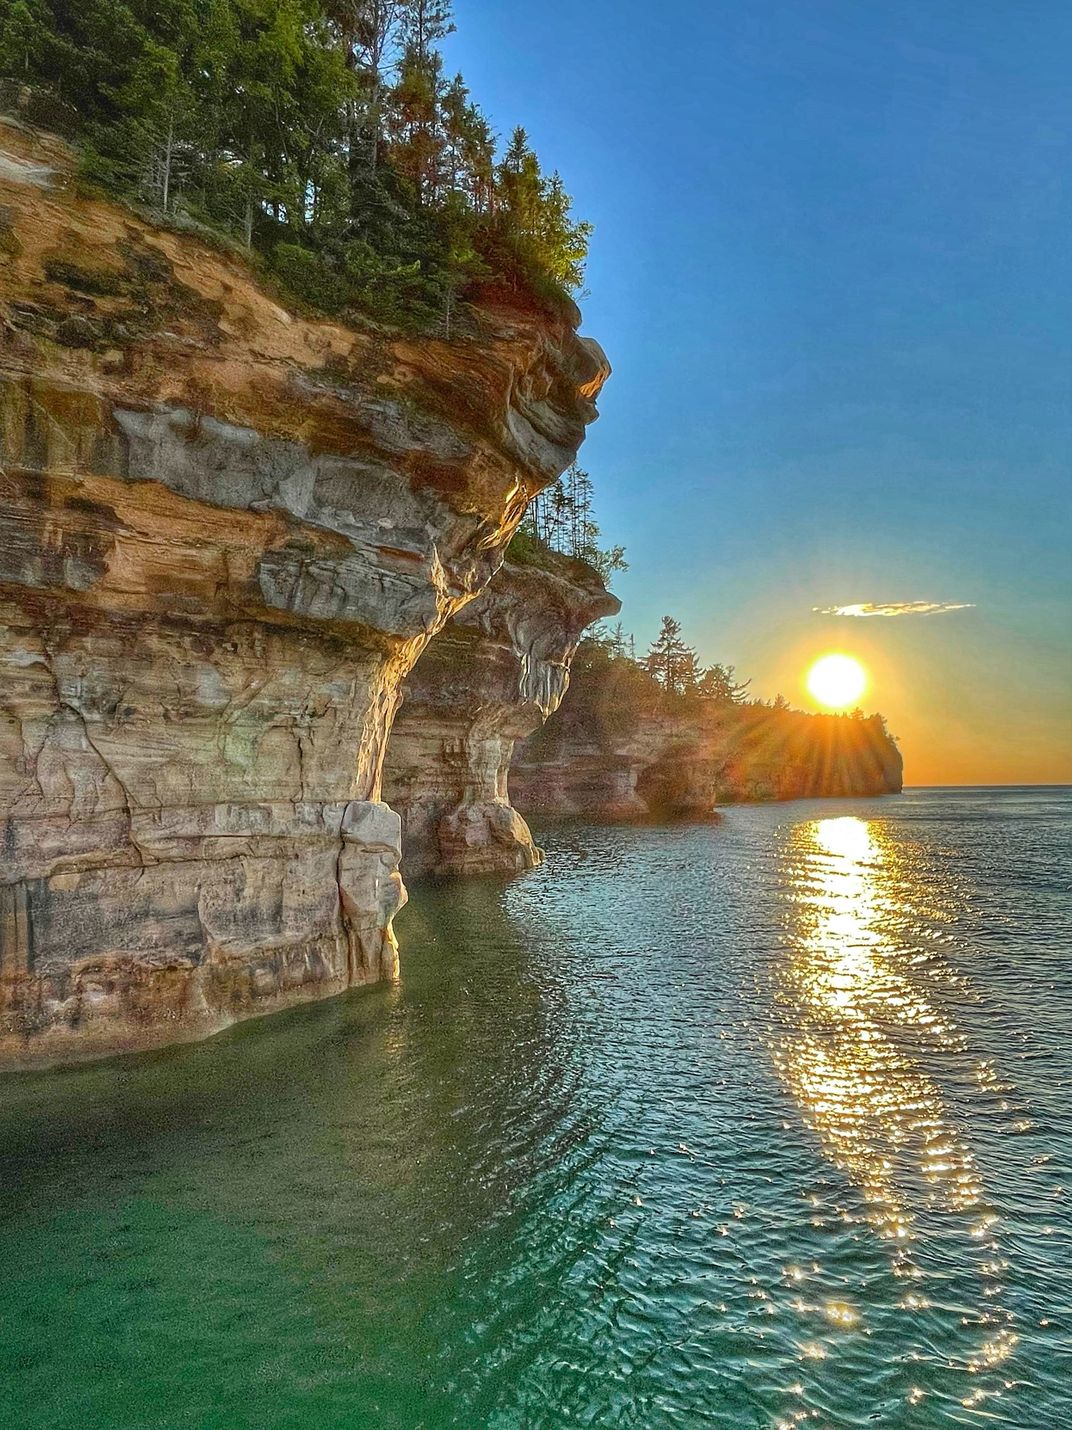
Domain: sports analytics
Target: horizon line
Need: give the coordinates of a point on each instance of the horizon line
(1005, 784)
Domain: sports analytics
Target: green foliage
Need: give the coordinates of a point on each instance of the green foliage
(561, 519)
(356, 276)
(24, 37)
(310, 277)
(670, 661)
(609, 695)
(526, 549)
(323, 133)
(719, 684)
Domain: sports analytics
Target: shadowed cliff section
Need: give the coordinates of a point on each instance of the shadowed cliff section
(620, 749)
(495, 674)
(228, 534)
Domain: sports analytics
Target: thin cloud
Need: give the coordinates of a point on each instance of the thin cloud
(895, 608)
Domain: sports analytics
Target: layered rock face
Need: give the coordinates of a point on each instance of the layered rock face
(497, 672)
(598, 762)
(227, 535)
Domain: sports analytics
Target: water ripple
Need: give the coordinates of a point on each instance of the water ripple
(766, 1124)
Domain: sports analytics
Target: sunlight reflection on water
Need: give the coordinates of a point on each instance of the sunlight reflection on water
(854, 1018)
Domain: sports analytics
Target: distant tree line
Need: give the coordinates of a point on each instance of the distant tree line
(324, 134)
(672, 668)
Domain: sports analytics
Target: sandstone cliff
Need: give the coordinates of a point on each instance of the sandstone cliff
(228, 534)
(494, 675)
(614, 753)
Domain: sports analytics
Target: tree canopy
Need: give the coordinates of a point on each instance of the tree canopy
(670, 661)
(676, 668)
(323, 133)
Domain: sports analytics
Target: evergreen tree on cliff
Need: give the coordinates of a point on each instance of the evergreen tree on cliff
(561, 519)
(719, 684)
(322, 133)
(670, 661)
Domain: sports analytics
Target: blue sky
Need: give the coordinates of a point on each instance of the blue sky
(831, 269)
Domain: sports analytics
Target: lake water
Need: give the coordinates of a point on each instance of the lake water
(766, 1124)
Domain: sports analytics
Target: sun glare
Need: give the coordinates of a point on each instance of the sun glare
(836, 681)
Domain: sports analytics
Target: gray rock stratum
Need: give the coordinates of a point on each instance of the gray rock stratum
(497, 672)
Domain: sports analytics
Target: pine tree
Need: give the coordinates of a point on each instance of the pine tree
(562, 244)
(163, 124)
(454, 112)
(519, 186)
(369, 31)
(670, 661)
(719, 684)
(424, 22)
(478, 160)
(559, 515)
(24, 38)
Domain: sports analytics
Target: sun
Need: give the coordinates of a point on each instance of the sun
(836, 681)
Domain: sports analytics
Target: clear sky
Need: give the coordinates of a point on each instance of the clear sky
(832, 270)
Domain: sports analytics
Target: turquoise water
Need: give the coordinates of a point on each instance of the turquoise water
(766, 1124)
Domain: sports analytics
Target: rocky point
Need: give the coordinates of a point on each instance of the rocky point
(230, 531)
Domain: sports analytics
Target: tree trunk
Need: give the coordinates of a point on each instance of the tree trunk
(169, 149)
